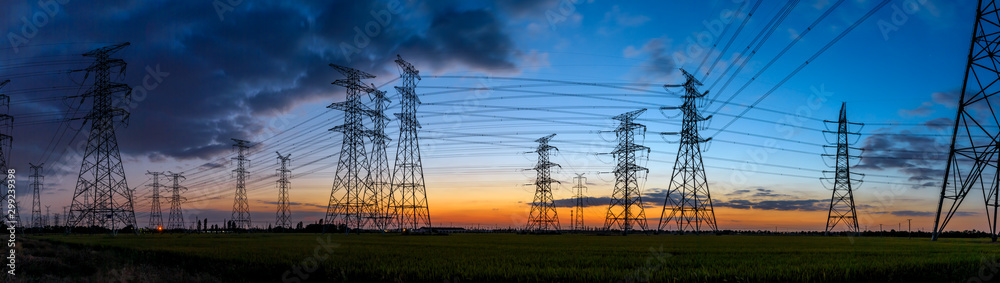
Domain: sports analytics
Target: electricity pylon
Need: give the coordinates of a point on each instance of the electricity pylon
(688, 199)
(626, 208)
(842, 209)
(6, 129)
(241, 207)
(408, 196)
(155, 214)
(36, 187)
(176, 220)
(353, 200)
(577, 222)
(102, 197)
(972, 159)
(380, 175)
(284, 213)
(543, 214)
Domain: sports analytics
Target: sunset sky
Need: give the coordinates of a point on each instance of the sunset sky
(258, 70)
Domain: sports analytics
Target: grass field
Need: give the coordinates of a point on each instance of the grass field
(508, 258)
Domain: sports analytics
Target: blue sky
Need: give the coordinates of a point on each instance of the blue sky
(254, 71)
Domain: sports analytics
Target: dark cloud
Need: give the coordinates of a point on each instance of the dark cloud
(222, 79)
(781, 205)
(919, 156)
(294, 204)
(923, 213)
(527, 7)
(657, 63)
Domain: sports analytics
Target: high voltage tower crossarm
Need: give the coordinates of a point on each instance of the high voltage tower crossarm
(408, 197)
(842, 209)
(577, 221)
(155, 214)
(176, 220)
(543, 214)
(102, 197)
(974, 161)
(36, 187)
(688, 204)
(241, 207)
(625, 210)
(353, 199)
(284, 213)
(6, 129)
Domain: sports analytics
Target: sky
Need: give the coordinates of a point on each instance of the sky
(496, 75)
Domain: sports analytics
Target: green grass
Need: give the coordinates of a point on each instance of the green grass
(558, 258)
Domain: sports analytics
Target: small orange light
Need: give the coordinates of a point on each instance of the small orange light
(159, 228)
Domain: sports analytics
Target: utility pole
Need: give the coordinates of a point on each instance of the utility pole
(543, 214)
(408, 195)
(626, 208)
(36, 204)
(908, 233)
(176, 220)
(241, 207)
(969, 155)
(842, 208)
(46, 222)
(577, 223)
(102, 175)
(155, 214)
(689, 200)
(284, 213)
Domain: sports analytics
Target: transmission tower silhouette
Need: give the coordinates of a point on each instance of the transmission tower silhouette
(842, 209)
(626, 208)
(36, 187)
(577, 222)
(284, 214)
(543, 214)
(380, 175)
(102, 176)
(155, 214)
(176, 220)
(353, 200)
(241, 208)
(408, 195)
(6, 129)
(972, 160)
(688, 199)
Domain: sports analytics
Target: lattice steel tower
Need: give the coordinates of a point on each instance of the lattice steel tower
(176, 220)
(842, 209)
(353, 200)
(284, 213)
(688, 204)
(408, 197)
(241, 207)
(36, 187)
(975, 149)
(102, 176)
(155, 214)
(543, 214)
(626, 208)
(577, 223)
(6, 129)
(380, 175)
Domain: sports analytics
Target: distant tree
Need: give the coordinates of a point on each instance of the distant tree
(205, 226)
(199, 225)
(299, 226)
